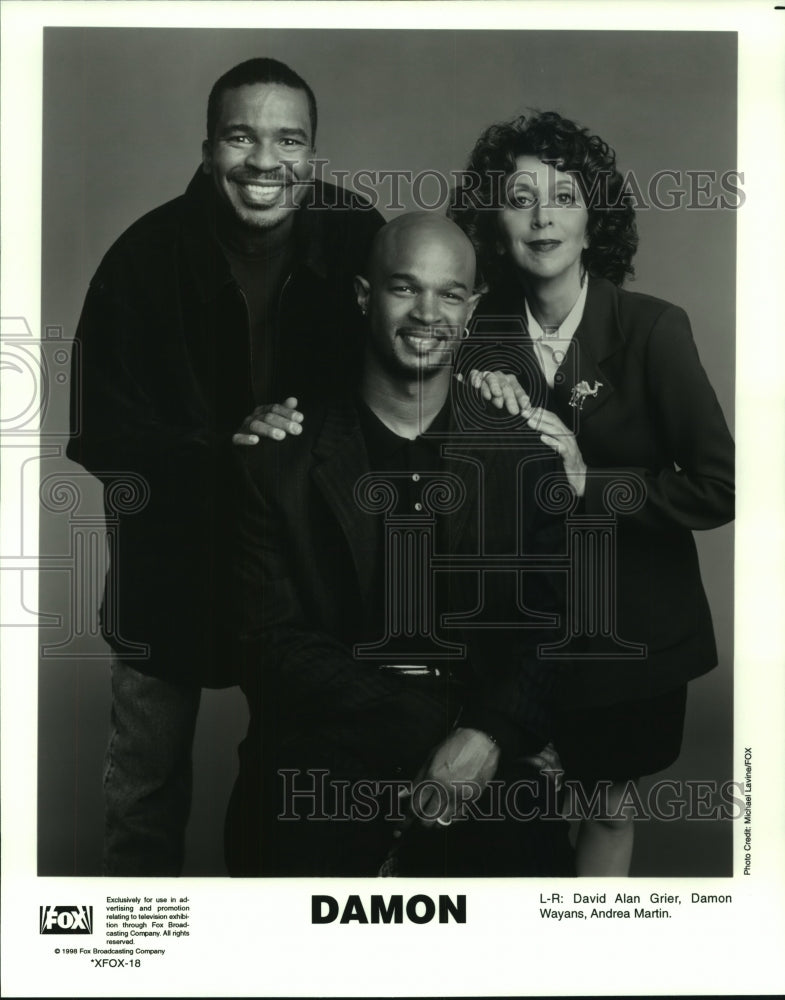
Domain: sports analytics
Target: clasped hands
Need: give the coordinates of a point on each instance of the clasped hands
(505, 392)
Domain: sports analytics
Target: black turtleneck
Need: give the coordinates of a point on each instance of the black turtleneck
(260, 263)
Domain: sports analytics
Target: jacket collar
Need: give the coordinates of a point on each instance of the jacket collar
(599, 336)
(208, 263)
(599, 331)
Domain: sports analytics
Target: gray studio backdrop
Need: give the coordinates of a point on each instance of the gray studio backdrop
(124, 117)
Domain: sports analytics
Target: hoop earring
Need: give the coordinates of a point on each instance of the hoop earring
(465, 334)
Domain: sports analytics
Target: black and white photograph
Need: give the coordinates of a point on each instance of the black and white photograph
(373, 506)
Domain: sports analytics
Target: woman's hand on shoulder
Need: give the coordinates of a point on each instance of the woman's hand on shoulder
(556, 435)
(503, 390)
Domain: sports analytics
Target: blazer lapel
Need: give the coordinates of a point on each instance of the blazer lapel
(597, 338)
(342, 461)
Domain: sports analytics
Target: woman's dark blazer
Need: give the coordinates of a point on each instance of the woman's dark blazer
(655, 423)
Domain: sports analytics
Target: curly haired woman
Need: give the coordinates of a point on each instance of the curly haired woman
(613, 382)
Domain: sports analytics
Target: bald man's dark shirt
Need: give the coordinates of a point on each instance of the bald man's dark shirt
(414, 461)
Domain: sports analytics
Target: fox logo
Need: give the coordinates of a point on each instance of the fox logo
(66, 919)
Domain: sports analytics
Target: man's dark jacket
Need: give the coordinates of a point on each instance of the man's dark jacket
(306, 565)
(165, 377)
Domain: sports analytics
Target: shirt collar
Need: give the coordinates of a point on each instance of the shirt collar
(382, 442)
(571, 322)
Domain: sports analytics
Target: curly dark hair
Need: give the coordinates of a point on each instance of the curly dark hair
(613, 236)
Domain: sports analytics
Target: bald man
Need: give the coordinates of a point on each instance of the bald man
(381, 740)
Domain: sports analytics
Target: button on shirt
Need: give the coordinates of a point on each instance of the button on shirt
(420, 457)
(552, 342)
(413, 465)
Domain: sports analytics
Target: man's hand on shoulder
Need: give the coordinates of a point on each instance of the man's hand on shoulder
(468, 758)
(270, 420)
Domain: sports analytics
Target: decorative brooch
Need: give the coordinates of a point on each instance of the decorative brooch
(581, 391)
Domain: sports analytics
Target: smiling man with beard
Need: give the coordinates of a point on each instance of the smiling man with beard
(355, 688)
(202, 314)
